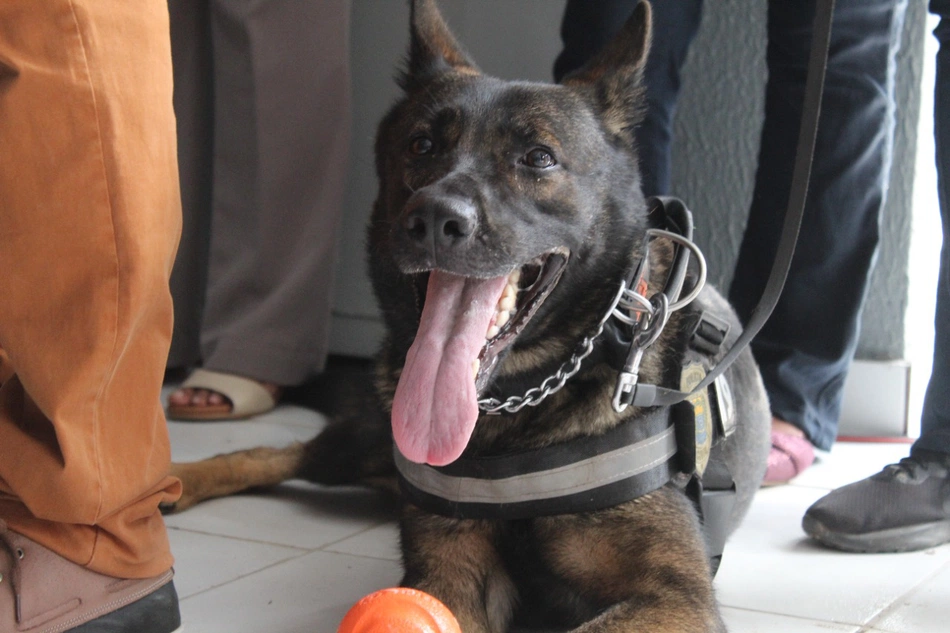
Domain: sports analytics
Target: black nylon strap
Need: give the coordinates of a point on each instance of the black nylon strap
(580, 475)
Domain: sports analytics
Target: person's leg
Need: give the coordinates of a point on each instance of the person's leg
(935, 418)
(281, 141)
(194, 99)
(806, 347)
(588, 26)
(90, 222)
(907, 505)
(281, 146)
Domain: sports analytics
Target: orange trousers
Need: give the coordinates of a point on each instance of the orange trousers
(90, 219)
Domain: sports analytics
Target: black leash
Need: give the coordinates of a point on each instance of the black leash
(649, 395)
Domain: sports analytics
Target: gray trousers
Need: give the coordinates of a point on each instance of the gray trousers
(262, 101)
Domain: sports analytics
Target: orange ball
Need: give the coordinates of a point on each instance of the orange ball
(399, 610)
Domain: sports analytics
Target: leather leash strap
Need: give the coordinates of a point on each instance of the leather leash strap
(804, 155)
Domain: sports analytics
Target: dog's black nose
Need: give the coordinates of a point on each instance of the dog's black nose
(441, 223)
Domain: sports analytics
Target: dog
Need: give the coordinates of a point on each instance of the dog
(508, 215)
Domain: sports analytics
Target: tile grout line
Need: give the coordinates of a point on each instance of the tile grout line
(815, 620)
(299, 549)
(889, 608)
(298, 555)
(303, 550)
(324, 548)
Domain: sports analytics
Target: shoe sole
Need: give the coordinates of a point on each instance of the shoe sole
(904, 539)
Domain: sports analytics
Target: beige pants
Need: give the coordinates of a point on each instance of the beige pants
(89, 224)
(262, 99)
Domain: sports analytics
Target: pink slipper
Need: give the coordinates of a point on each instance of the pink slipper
(790, 455)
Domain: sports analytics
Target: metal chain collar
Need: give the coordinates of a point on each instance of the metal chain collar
(624, 302)
(646, 316)
(555, 382)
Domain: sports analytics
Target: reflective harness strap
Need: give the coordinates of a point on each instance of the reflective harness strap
(581, 475)
(588, 474)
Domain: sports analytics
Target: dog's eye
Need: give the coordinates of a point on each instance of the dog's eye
(421, 145)
(539, 158)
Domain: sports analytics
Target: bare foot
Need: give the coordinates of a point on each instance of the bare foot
(188, 397)
(791, 453)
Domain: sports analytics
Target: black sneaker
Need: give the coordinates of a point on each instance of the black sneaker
(42, 592)
(903, 508)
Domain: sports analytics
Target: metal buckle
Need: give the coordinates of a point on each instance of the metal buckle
(646, 331)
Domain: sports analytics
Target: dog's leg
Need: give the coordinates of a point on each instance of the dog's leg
(350, 450)
(224, 475)
(664, 616)
(457, 562)
(638, 567)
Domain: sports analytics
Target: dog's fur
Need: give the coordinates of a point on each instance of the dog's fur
(478, 177)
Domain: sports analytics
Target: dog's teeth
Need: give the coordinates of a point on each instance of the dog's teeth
(508, 299)
(476, 365)
(514, 277)
(501, 318)
(493, 332)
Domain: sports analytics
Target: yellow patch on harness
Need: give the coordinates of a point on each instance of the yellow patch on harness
(692, 375)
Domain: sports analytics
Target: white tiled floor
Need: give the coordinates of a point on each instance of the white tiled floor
(293, 559)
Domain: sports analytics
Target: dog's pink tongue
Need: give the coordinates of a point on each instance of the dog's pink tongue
(435, 406)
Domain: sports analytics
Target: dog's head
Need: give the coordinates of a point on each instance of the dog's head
(503, 208)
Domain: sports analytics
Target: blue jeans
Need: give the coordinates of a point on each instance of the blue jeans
(588, 25)
(935, 418)
(806, 348)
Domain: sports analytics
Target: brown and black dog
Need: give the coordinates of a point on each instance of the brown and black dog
(508, 215)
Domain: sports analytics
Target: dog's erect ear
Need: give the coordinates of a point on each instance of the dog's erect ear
(432, 47)
(616, 73)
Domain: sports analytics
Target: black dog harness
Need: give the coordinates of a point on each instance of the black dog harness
(650, 457)
(668, 443)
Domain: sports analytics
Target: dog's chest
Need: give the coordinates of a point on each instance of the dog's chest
(568, 568)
